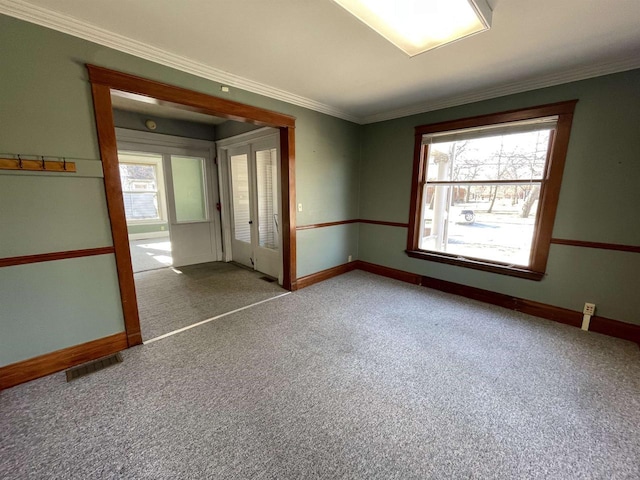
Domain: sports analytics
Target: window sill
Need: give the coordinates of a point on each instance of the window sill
(477, 264)
(146, 222)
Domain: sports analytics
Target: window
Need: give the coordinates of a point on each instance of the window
(141, 177)
(267, 196)
(189, 191)
(485, 189)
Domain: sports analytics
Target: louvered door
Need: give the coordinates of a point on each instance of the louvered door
(255, 228)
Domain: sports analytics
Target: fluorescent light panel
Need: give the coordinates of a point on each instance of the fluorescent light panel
(415, 26)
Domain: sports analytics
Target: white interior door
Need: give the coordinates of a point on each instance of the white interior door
(185, 173)
(255, 207)
(190, 209)
(241, 206)
(266, 224)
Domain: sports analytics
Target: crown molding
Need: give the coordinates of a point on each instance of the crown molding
(558, 78)
(87, 31)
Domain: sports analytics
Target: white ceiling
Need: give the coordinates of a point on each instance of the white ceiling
(131, 102)
(313, 53)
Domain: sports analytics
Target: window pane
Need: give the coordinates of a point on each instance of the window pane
(240, 197)
(141, 206)
(266, 169)
(189, 189)
(517, 156)
(481, 221)
(139, 179)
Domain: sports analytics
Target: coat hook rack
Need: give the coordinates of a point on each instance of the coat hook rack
(37, 165)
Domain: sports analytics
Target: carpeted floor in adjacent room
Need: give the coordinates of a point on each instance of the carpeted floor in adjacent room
(172, 298)
(358, 377)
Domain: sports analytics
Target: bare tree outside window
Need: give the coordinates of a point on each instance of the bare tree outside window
(485, 189)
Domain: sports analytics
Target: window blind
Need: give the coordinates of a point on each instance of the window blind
(524, 126)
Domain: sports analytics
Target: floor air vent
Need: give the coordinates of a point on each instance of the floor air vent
(268, 279)
(94, 366)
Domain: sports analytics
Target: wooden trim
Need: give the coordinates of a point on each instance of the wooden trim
(37, 165)
(604, 246)
(549, 188)
(20, 372)
(325, 274)
(327, 224)
(485, 182)
(476, 264)
(603, 325)
(188, 99)
(115, 206)
(615, 328)
(401, 275)
(417, 191)
(388, 224)
(355, 220)
(134, 338)
(288, 201)
(547, 110)
(537, 309)
(48, 257)
(606, 326)
(102, 81)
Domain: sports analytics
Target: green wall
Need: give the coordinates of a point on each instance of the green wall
(46, 109)
(148, 228)
(231, 128)
(166, 126)
(598, 199)
(343, 171)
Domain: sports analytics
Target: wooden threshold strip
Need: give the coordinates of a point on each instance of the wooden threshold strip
(48, 257)
(604, 246)
(20, 372)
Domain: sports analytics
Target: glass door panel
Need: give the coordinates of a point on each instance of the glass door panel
(240, 198)
(254, 191)
(192, 227)
(266, 170)
(189, 189)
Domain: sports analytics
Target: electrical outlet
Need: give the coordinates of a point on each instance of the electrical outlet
(349, 258)
(589, 308)
(299, 207)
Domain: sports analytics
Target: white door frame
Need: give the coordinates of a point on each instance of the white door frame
(224, 179)
(134, 140)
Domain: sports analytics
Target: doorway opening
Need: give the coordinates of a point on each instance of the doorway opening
(145, 203)
(171, 187)
(170, 193)
(250, 164)
(104, 82)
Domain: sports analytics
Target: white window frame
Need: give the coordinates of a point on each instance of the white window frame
(160, 191)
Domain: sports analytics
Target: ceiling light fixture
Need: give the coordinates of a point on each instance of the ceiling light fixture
(415, 26)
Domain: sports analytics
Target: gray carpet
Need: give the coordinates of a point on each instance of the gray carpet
(358, 377)
(150, 254)
(173, 298)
